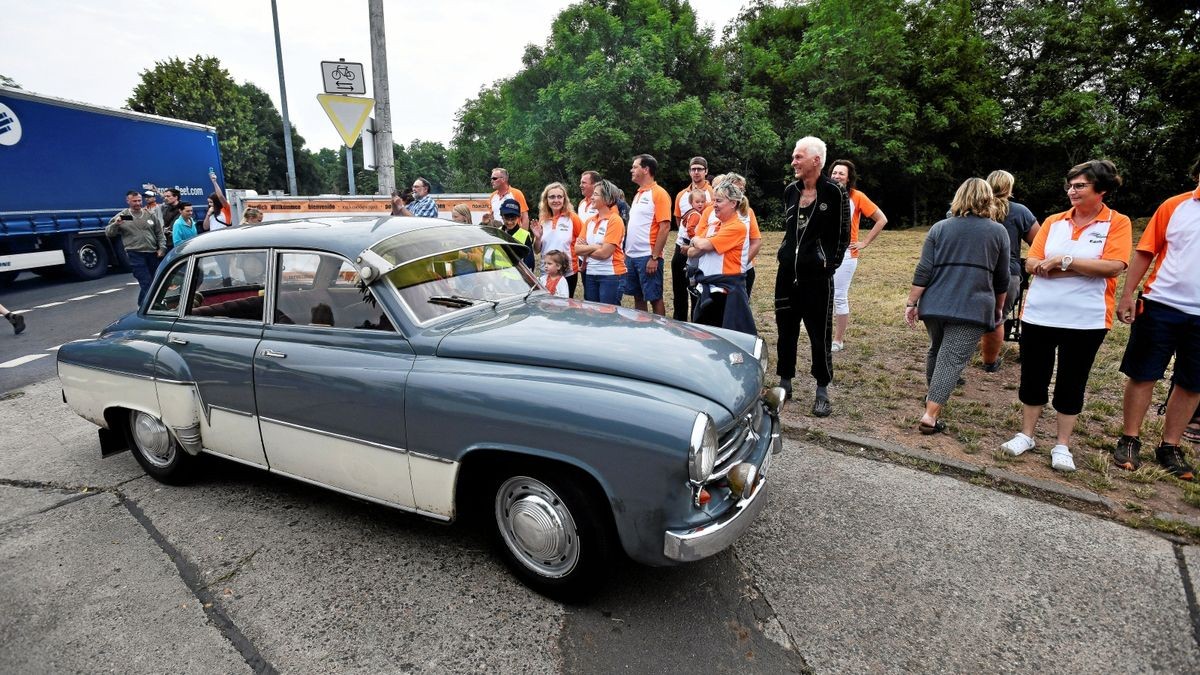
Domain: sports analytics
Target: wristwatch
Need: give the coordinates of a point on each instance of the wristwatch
(1066, 262)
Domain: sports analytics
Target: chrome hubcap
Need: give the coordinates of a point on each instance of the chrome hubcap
(537, 527)
(153, 440)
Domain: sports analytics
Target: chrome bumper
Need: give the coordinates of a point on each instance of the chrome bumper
(706, 540)
(713, 537)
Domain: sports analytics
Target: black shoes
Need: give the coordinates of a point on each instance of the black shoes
(822, 407)
(1126, 454)
(994, 366)
(17, 321)
(786, 385)
(1171, 459)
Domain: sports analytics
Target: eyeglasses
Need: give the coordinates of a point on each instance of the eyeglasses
(495, 177)
(696, 168)
(1076, 186)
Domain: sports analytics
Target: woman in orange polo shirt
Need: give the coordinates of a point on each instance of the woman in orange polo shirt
(1075, 260)
(722, 252)
(600, 244)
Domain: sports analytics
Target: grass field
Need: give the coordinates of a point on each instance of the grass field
(879, 384)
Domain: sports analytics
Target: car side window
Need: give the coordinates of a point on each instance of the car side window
(324, 290)
(166, 301)
(229, 286)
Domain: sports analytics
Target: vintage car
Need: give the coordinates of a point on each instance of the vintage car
(416, 363)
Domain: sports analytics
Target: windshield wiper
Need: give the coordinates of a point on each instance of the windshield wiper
(458, 301)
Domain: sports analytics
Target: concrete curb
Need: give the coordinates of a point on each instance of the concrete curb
(1007, 481)
(1000, 479)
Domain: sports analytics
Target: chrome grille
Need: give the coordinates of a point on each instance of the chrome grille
(738, 439)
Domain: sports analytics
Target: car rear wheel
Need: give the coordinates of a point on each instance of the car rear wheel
(553, 535)
(156, 449)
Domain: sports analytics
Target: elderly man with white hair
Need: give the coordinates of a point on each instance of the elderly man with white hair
(816, 234)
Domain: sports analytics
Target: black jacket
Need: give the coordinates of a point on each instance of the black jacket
(738, 315)
(817, 250)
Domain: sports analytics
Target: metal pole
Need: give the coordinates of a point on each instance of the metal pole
(384, 161)
(287, 125)
(350, 169)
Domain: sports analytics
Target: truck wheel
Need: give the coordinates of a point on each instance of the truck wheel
(87, 258)
(553, 535)
(157, 450)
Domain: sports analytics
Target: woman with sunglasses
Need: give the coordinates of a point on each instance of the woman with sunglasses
(1074, 261)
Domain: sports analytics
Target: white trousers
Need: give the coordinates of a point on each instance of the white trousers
(841, 284)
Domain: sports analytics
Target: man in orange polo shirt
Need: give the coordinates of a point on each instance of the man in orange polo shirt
(503, 191)
(645, 236)
(698, 171)
(1166, 323)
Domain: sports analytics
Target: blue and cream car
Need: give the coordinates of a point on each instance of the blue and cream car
(415, 363)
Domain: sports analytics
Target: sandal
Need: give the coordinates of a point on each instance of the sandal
(930, 429)
(822, 407)
(1191, 433)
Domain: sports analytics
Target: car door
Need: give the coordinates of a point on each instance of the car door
(330, 376)
(215, 339)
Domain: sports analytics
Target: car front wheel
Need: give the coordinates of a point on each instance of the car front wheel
(552, 534)
(156, 449)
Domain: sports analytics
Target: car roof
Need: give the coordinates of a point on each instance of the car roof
(347, 235)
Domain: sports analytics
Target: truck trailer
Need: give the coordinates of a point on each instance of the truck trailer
(65, 168)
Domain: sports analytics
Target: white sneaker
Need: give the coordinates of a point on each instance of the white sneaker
(836, 347)
(1061, 459)
(1018, 445)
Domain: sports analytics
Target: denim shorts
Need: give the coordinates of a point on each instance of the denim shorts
(1160, 332)
(641, 285)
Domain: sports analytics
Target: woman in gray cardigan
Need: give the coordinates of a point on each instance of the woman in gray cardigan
(958, 290)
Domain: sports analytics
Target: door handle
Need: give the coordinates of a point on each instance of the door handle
(274, 354)
(177, 341)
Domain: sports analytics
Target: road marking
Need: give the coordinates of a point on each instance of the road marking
(22, 360)
(132, 283)
(82, 297)
(54, 349)
(49, 304)
(111, 290)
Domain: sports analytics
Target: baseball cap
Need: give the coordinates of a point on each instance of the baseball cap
(151, 193)
(510, 207)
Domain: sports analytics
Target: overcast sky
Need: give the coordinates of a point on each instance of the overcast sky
(440, 52)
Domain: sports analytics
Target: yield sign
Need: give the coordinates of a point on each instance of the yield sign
(348, 114)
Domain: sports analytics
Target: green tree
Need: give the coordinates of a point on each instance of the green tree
(200, 90)
(615, 78)
(266, 118)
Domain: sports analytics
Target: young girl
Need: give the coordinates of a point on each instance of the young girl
(555, 262)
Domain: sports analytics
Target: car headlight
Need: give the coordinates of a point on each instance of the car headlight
(702, 452)
(760, 353)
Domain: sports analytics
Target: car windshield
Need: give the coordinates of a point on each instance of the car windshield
(447, 282)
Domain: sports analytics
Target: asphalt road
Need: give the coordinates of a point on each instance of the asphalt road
(857, 566)
(56, 311)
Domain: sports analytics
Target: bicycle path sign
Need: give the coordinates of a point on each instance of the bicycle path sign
(342, 77)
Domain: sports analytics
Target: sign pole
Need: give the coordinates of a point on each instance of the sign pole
(287, 125)
(350, 169)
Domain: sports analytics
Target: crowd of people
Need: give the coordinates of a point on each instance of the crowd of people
(970, 272)
(967, 280)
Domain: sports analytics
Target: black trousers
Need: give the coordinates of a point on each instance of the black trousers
(808, 300)
(1076, 350)
(571, 282)
(679, 286)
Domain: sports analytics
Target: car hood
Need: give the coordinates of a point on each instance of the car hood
(559, 333)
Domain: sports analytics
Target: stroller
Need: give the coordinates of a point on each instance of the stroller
(1012, 322)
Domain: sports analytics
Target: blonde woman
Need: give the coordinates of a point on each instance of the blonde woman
(461, 213)
(958, 291)
(557, 229)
